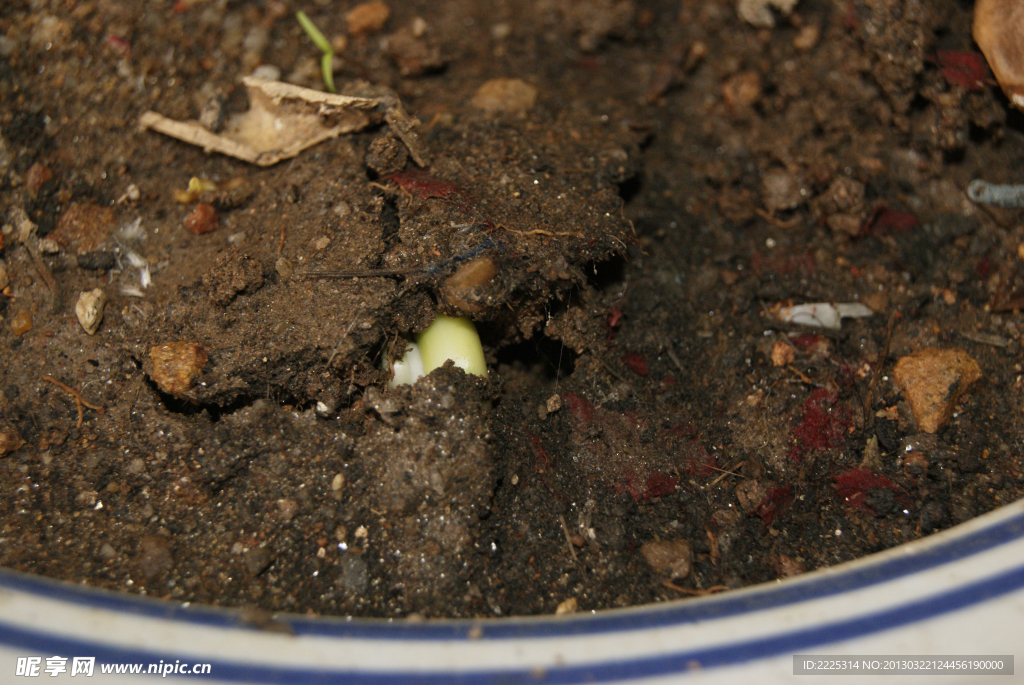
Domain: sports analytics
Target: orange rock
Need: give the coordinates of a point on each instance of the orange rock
(21, 323)
(176, 365)
(367, 17)
(505, 96)
(202, 219)
(783, 354)
(933, 381)
(84, 228)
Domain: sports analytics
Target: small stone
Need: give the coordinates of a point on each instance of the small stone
(21, 323)
(284, 268)
(89, 309)
(5, 279)
(670, 557)
(787, 567)
(877, 301)
(807, 37)
(932, 381)
(505, 96)
(367, 17)
(202, 219)
(783, 354)
(742, 90)
(353, 577)
(176, 365)
(49, 246)
(84, 227)
(554, 403)
(154, 556)
(256, 560)
(10, 439)
(781, 190)
(286, 509)
(35, 177)
(758, 13)
(338, 482)
(107, 551)
(569, 606)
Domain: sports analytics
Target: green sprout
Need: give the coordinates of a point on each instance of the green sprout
(319, 40)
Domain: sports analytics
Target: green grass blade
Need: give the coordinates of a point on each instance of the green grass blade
(319, 39)
(328, 72)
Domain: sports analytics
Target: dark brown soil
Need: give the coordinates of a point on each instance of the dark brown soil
(681, 177)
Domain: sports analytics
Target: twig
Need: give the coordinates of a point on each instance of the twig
(799, 374)
(568, 537)
(541, 231)
(78, 398)
(694, 593)
(726, 472)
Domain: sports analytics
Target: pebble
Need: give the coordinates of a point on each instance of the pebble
(742, 90)
(670, 557)
(367, 17)
(569, 606)
(89, 309)
(256, 560)
(202, 219)
(781, 190)
(284, 268)
(353, 577)
(932, 381)
(154, 556)
(5, 279)
(176, 365)
(505, 96)
(267, 72)
(759, 12)
(10, 439)
(35, 177)
(783, 354)
(84, 227)
(21, 323)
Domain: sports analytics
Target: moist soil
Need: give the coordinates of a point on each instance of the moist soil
(651, 427)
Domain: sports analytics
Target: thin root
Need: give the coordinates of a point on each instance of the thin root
(79, 401)
(694, 593)
(541, 231)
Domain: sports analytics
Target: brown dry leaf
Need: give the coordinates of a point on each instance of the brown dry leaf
(282, 121)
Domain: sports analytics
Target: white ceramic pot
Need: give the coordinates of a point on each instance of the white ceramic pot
(956, 594)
